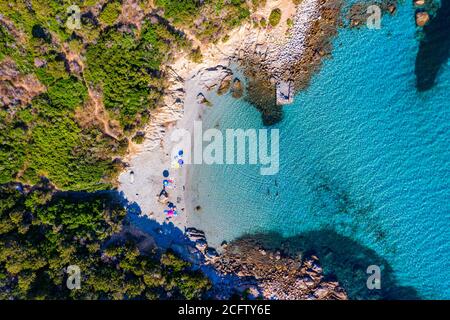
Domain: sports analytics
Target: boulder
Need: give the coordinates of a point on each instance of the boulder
(321, 292)
(224, 244)
(195, 235)
(201, 244)
(392, 8)
(202, 100)
(211, 253)
(422, 18)
(209, 78)
(419, 3)
(285, 94)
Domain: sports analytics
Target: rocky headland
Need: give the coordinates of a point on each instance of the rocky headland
(276, 61)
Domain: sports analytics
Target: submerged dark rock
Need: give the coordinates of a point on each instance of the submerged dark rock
(434, 49)
(262, 95)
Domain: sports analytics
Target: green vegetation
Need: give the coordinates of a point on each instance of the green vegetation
(263, 22)
(67, 93)
(139, 138)
(275, 17)
(110, 13)
(43, 232)
(46, 137)
(258, 3)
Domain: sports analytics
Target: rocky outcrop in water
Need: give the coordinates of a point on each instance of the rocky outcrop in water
(225, 84)
(17, 88)
(272, 274)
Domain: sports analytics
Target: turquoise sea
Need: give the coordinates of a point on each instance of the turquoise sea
(364, 168)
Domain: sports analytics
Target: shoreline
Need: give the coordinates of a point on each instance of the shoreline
(191, 86)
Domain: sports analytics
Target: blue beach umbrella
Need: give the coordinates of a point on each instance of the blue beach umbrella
(165, 173)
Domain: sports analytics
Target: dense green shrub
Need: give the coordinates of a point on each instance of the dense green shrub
(220, 16)
(275, 17)
(67, 93)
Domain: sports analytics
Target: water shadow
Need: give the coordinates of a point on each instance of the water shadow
(342, 259)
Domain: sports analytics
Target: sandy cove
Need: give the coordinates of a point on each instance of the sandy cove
(142, 181)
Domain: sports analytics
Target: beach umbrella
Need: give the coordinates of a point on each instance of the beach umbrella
(165, 173)
(181, 162)
(180, 153)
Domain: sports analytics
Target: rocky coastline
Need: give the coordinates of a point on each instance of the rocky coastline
(266, 273)
(276, 62)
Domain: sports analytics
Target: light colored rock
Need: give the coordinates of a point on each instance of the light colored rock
(38, 63)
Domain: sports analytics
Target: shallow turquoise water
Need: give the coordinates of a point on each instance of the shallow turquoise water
(361, 153)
